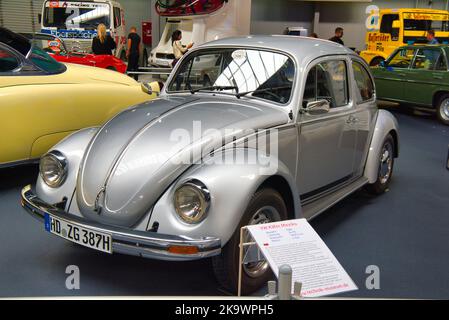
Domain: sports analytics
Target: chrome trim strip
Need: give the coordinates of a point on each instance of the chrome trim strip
(140, 243)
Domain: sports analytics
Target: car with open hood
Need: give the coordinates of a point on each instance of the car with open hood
(285, 128)
(43, 100)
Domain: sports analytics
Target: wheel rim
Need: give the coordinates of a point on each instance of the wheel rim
(265, 214)
(444, 109)
(386, 163)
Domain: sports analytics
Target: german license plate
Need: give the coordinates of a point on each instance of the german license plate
(83, 236)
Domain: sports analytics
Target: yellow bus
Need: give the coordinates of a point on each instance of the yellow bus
(398, 27)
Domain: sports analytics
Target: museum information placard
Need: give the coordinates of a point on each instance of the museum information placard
(297, 244)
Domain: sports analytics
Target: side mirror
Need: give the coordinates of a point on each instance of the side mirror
(154, 87)
(39, 18)
(317, 107)
(146, 87)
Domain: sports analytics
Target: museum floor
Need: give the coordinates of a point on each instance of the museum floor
(404, 232)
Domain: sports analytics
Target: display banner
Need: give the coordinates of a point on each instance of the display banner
(297, 244)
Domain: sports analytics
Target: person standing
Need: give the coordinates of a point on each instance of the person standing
(103, 43)
(178, 48)
(338, 36)
(133, 51)
(431, 37)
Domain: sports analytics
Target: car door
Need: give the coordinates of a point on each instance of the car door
(425, 76)
(390, 78)
(365, 113)
(12, 147)
(327, 140)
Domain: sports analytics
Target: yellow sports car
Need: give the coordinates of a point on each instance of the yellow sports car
(42, 100)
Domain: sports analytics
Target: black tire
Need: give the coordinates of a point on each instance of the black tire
(226, 265)
(382, 183)
(376, 61)
(442, 109)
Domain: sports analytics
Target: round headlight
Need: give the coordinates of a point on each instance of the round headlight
(192, 201)
(53, 168)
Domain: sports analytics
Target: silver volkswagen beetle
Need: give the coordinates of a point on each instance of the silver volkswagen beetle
(246, 131)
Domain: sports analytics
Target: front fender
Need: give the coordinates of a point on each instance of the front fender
(386, 123)
(73, 147)
(231, 187)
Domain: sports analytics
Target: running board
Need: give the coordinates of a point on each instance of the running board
(313, 209)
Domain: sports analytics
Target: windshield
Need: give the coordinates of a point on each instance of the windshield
(425, 22)
(41, 59)
(47, 43)
(70, 15)
(259, 74)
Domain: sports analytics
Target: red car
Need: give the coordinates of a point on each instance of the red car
(57, 49)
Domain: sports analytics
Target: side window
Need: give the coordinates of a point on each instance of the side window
(441, 63)
(117, 17)
(364, 82)
(8, 62)
(427, 59)
(386, 26)
(327, 80)
(402, 59)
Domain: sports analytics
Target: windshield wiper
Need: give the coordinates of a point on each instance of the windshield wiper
(216, 88)
(267, 90)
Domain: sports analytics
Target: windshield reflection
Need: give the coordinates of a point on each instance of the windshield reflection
(257, 73)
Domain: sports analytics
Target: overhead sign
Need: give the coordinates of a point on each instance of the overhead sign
(425, 16)
(297, 244)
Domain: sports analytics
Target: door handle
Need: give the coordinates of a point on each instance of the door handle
(438, 77)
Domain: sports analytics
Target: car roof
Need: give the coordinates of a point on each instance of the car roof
(301, 48)
(414, 46)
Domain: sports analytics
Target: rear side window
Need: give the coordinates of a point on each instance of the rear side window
(441, 63)
(8, 62)
(364, 83)
(327, 80)
(427, 59)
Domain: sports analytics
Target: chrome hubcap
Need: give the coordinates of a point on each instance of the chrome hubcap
(386, 163)
(444, 109)
(263, 215)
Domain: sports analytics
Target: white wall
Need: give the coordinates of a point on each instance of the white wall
(273, 16)
(136, 12)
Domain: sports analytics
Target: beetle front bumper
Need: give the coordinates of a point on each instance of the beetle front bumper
(126, 241)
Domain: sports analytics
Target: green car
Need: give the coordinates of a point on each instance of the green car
(416, 75)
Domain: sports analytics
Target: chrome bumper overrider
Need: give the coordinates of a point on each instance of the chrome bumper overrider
(126, 241)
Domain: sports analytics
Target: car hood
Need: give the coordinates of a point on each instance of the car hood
(137, 155)
(75, 74)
